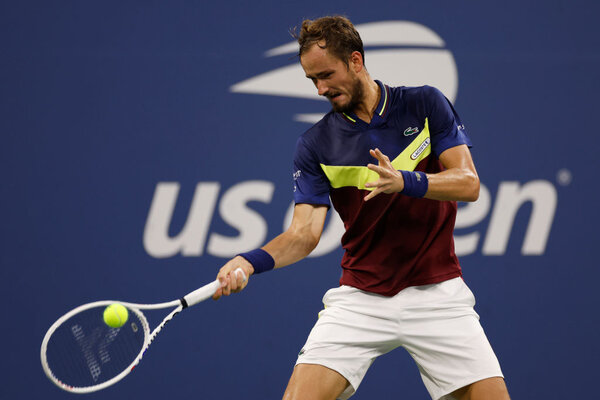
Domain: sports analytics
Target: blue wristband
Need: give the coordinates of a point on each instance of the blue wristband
(415, 183)
(260, 260)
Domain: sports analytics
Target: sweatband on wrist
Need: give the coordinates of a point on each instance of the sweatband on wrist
(260, 260)
(415, 183)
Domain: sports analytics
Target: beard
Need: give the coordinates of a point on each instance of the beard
(355, 97)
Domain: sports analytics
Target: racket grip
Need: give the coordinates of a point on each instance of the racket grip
(200, 294)
(205, 291)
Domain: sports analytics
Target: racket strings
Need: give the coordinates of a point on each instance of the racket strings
(84, 351)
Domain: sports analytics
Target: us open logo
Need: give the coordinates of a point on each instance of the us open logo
(398, 53)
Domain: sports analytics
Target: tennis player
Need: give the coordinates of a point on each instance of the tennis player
(393, 162)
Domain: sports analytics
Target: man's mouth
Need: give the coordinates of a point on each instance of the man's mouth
(333, 96)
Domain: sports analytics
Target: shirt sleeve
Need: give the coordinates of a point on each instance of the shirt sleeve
(310, 183)
(445, 126)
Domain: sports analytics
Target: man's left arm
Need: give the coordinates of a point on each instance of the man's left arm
(458, 182)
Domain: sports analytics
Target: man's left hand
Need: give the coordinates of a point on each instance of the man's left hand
(390, 180)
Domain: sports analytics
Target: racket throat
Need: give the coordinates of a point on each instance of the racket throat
(184, 303)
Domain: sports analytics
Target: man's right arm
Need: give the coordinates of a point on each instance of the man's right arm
(289, 247)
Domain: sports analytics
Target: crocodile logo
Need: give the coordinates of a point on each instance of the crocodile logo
(411, 131)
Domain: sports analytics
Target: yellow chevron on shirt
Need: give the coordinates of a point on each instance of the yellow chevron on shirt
(357, 176)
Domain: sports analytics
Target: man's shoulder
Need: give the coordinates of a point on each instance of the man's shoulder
(408, 93)
(325, 124)
(417, 100)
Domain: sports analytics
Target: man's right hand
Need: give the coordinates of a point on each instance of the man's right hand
(232, 282)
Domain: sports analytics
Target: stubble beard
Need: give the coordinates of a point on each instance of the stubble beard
(356, 96)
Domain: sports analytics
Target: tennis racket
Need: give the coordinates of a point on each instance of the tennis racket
(81, 354)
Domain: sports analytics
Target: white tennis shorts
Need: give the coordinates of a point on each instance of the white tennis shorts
(435, 323)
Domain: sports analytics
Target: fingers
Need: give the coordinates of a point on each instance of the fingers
(390, 180)
(379, 169)
(233, 277)
(238, 280)
(373, 194)
(241, 277)
(217, 294)
(226, 286)
(382, 158)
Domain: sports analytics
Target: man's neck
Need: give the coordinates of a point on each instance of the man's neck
(372, 95)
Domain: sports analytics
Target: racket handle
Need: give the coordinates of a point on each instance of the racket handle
(205, 291)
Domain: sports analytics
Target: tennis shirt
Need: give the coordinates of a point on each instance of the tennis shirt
(392, 241)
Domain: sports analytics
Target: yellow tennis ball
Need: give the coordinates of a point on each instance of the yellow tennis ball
(115, 315)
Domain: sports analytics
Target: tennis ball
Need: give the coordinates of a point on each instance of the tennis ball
(115, 315)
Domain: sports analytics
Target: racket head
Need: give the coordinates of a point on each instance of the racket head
(81, 354)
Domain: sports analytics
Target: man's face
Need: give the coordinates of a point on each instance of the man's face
(332, 78)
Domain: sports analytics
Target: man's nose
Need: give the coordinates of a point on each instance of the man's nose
(321, 88)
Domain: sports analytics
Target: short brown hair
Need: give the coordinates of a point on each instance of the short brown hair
(340, 36)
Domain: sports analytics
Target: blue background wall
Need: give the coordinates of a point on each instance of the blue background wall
(104, 102)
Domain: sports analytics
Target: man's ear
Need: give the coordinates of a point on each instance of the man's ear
(356, 61)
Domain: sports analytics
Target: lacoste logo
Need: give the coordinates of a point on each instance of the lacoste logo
(411, 131)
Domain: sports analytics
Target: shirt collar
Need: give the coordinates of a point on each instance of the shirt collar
(380, 110)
